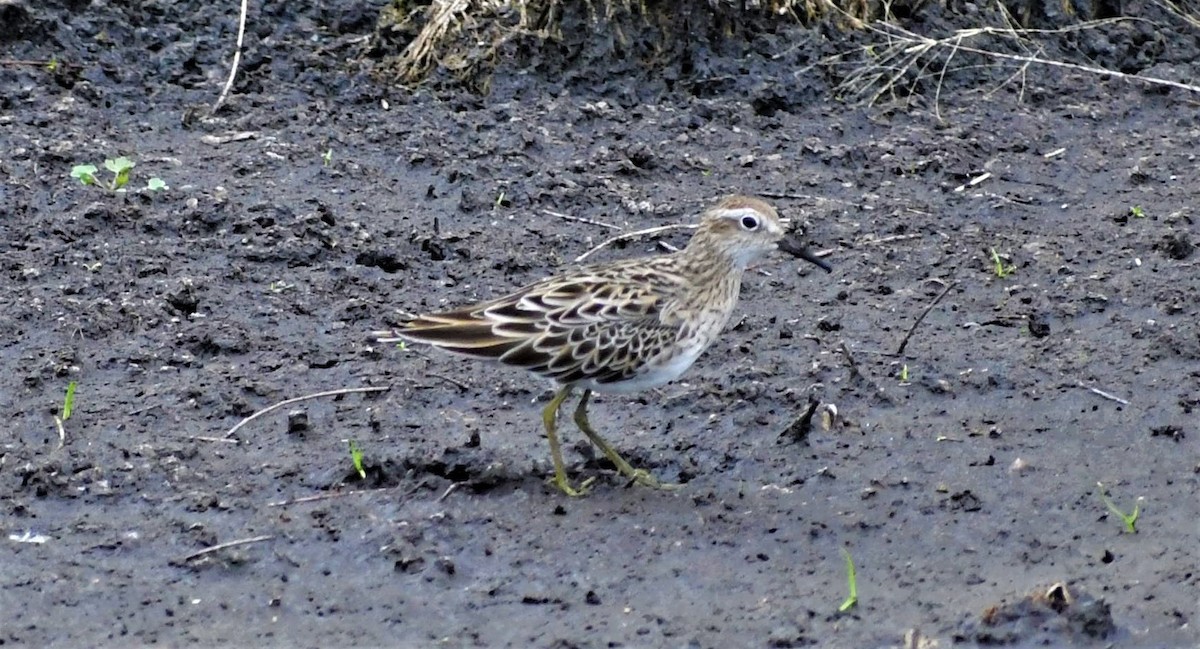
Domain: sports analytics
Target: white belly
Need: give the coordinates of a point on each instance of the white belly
(652, 375)
(672, 362)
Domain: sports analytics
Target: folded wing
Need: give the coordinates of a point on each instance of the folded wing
(598, 327)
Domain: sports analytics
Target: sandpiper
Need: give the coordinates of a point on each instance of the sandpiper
(616, 327)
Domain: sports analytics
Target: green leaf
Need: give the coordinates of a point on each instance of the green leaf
(120, 167)
(85, 174)
(117, 165)
(156, 184)
(1130, 519)
(69, 402)
(852, 580)
(998, 266)
(356, 456)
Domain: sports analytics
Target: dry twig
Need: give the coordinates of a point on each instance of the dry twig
(329, 496)
(633, 235)
(288, 402)
(237, 58)
(904, 52)
(580, 219)
(223, 546)
(462, 387)
(921, 318)
(1104, 394)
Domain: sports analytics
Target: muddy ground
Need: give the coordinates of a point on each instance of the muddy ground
(321, 204)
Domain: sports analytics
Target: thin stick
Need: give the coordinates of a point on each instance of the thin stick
(134, 413)
(62, 433)
(928, 308)
(580, 219)
(224, 546)
(906, 49)
(217, 140)
(329, 496)
(458, 384)
(237, 58)
(803, 197)
(449, 490)
(306, 397)
(849, 360)
(40, 64)
(890, 239)
(220, 440)
(1154, 81)
(1104, 394)
(808, 197)
(633, 235)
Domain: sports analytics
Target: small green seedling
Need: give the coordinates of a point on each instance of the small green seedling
(69, 402)
(1137, 212)
(52, 65)
(499, 201)
(999, 267)
(356, 456)
(852, 581)
(327, 157)
(85, 174)
(1129, 519)
(120, 168)
(904, 373)
(401, 345)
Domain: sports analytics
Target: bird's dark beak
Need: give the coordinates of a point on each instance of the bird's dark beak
(793, 247)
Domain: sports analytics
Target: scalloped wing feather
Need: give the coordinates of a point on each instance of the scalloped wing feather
(569, 328)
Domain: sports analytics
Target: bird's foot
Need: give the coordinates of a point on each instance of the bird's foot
(561, 483)
(646, 479)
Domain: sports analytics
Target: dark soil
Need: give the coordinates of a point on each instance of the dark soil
(967, 494)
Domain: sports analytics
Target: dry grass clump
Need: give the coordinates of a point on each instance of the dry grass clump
(466, 36)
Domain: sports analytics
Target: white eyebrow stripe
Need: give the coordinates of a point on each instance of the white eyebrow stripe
(739, 212)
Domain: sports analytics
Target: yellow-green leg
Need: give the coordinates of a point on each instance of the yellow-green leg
(640, 476)
(550, 420)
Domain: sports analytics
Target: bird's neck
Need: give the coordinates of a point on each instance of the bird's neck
(715, 276)
(701, 260)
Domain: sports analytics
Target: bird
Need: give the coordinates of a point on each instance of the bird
(618, 327)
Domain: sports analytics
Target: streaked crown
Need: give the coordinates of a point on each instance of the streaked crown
(739, 228)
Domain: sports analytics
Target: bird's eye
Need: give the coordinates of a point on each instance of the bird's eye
(749, 223)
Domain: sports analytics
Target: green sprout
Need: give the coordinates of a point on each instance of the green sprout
(401, 345)
(52, 64)
(904, 373)
(356, 456)
(69, 402)
(1129, 519)
(999, 267)
(156, 184)
(499, 201)
(327, 157)
(852, 581)
(85, 174)
(119, 167)
(1137, 212)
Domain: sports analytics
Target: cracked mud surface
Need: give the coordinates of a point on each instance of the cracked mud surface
(259, 274)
